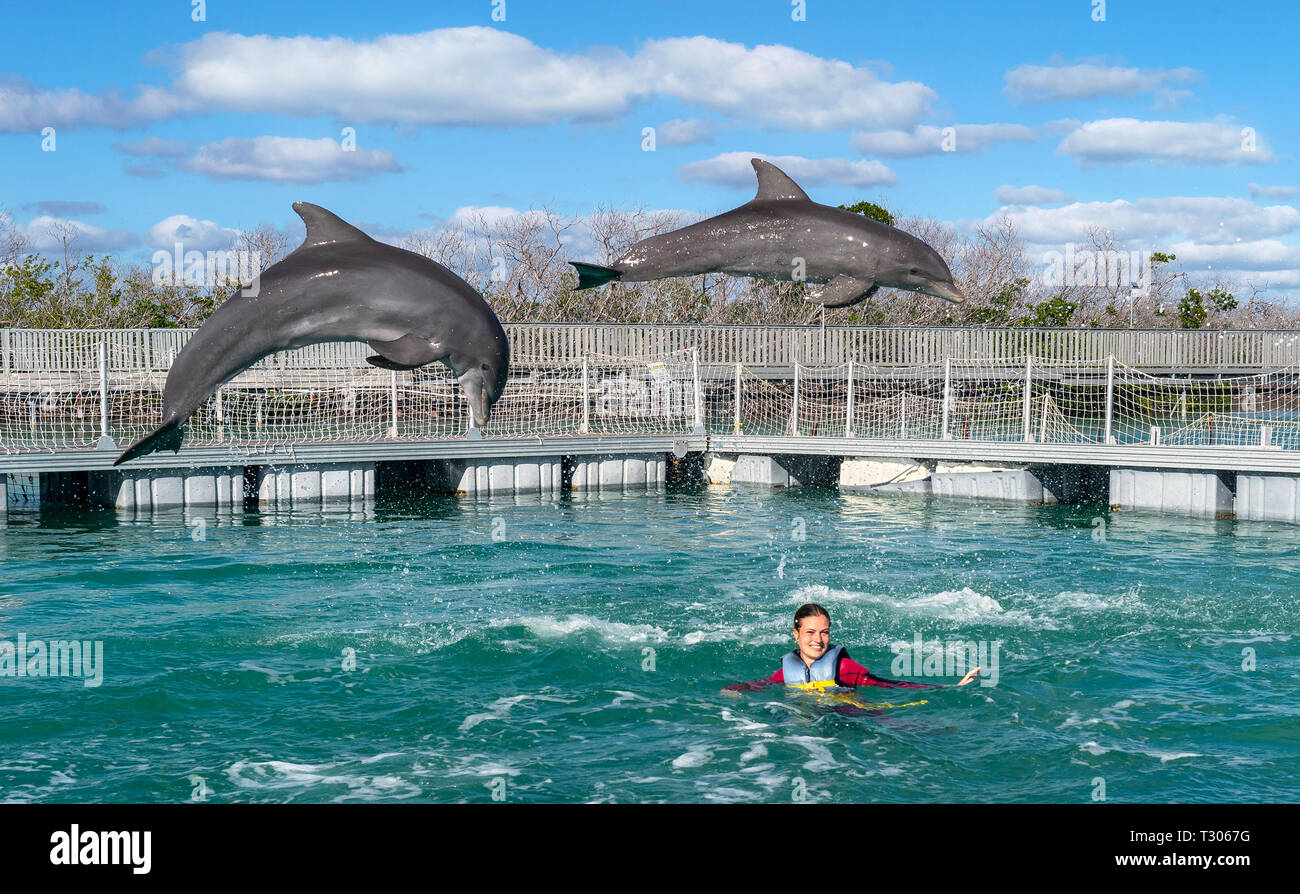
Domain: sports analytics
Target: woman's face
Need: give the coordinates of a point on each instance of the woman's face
(813, 636)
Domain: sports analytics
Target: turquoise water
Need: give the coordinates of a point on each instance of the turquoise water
(579, 654)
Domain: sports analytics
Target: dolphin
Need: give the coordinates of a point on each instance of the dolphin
(783, 234)
(340, 285)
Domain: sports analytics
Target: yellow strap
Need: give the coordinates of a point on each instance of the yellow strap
(822, 686)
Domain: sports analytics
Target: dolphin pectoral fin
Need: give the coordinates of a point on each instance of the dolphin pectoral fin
(406, 352)
(843, 290)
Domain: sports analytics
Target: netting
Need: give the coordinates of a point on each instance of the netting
(330, 397)
(1242, 411)
(280, 401)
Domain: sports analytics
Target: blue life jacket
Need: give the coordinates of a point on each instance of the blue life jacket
(821, 675)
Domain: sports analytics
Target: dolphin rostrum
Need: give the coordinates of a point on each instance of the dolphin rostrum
(783, 234)
(340, 285)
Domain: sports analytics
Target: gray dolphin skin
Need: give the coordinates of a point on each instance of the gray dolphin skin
(340, 285)
(768, 237)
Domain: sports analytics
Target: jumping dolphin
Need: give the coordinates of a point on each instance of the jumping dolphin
(782, 234)
(340, 285)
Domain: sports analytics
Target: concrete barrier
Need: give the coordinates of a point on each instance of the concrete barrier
(1174, 491)
(1268, 497)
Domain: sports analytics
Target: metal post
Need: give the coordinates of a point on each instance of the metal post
(221, 416)
(736, 428)
(947, 395)
(103, 389)
(1110, 396)
(1042, 425)
(586, 396)
(848, 413)
(392, 410)
(5, 350)
(1029, 394)
(902, 415)
(699, 397)
(794, 410)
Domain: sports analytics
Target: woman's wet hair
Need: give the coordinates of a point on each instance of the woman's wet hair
(808, 610)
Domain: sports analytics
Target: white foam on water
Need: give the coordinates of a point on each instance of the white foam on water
(820, 754)
(963, 606)
(695, 756)
(1094, 749)
(755, 751)
(743, 724)
(500, 709)
(284, 776)
(746, 634)
(730, 795)
(1218, 640)
(1167, 756)
(613, 632)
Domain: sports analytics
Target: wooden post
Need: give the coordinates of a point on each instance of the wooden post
(794, 410)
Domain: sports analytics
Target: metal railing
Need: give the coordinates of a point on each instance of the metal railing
(1031, 400)
(1212, 351)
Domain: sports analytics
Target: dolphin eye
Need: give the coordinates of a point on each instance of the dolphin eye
(484, 367)
(915, 271)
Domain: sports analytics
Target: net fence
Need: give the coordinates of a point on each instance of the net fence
(291, 398)
(279, 401)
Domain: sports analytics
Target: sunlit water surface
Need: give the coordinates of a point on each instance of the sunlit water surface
(552, 650)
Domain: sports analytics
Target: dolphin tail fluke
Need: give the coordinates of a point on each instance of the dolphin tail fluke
(166, 437)
(592, 275)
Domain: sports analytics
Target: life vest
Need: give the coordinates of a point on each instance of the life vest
(820, 675)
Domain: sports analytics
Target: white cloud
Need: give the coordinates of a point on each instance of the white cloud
(1031, 195)
(734, 169)
(288, 159)
(1273, 192)
(28, 107)
(927, 140)
(777, 85)
(690, 132)
(1165, 142)
(1154, 222)
(193, 234)
(493, 217)
(1086, 80)
(1263, 255)
(482, 76)
(45, 234)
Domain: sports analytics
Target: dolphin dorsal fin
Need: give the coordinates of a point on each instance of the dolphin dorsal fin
(325, 227)
(774, 183)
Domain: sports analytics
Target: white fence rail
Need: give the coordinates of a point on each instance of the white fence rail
(308, 397)
(147, 350)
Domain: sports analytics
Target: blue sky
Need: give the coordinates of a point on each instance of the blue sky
(164, 125)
